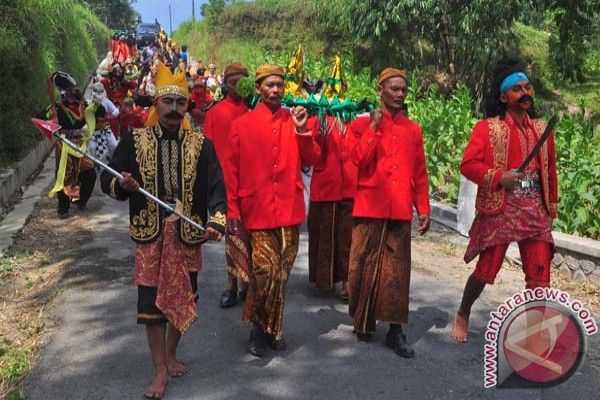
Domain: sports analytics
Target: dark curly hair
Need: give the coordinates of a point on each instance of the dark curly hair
(493, 107)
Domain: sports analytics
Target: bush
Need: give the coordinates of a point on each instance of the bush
(447, 124)
(578, 163)
(36, 38)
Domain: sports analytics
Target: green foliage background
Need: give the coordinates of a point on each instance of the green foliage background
(449, 51)
(38, 37)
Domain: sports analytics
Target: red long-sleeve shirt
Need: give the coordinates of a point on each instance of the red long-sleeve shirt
(392, 175)
(495, 147)
(264, 185)
(334, 174)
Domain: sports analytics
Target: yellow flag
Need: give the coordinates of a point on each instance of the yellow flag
(336, 82)
(294, 73)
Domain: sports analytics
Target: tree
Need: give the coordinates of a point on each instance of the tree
(573, 26)
(117, 14)
(461, 38)
(212, 9)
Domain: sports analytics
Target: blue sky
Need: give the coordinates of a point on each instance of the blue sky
(181, 10)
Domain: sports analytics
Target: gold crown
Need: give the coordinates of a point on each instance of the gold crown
(169, 83)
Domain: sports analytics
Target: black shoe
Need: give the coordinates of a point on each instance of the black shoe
(258, 342)
(277, 345)
(397, 342)
(228, 298)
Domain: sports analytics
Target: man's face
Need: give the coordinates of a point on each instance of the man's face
(393, 93)
(71, 98)
(101, 122)
(231, 85)
(519, 97)
(270, 90)
(171, 109)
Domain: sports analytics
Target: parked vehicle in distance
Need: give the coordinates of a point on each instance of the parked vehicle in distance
(145, 33)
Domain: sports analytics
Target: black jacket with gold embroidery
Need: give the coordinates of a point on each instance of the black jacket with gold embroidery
(200, 183)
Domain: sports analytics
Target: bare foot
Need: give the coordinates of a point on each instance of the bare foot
(157, 388)
(460, 328)
(175, 368)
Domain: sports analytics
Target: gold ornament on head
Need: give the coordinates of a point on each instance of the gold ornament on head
(168, 83)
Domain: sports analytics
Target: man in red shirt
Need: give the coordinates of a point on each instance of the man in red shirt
(511, 206)
(332, 190)
(217, 125)
(392, 178)
(265, 195)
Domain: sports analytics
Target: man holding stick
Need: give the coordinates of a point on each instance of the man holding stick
(181, 168)
(516, 201)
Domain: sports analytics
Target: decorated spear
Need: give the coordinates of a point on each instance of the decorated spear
(50, 130)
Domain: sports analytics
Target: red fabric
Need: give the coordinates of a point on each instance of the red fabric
(115, 91)
(392, 175)
(522, 218)
(165, 264)
(536, 256)
(129, 118)
(114, 47)
(132, 51)
(334, 174)
(200, 97)
(262, 169)
(122, 52)
(484, 163)
(217, 123)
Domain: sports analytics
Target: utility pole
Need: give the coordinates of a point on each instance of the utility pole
(193, 11)
(170, 22)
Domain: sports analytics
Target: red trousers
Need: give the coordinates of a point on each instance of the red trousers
(536, 256)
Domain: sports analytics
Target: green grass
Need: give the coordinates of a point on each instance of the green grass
(6, 265)
(14, 363)
(38, 37)
(587, 93)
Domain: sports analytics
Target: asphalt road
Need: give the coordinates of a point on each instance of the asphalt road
(98, 351)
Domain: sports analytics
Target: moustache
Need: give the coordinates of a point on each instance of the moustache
(174, 115)
(525, 98)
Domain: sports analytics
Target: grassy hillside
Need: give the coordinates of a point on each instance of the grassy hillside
(36, 38)
(535, 50)
(236, 35)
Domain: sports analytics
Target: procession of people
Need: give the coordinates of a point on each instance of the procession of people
(187, 136)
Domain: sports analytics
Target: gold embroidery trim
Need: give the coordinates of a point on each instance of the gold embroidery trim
(145, 225)
(191, 146)
(488, 200)
(488, 179)
(218, 218)
(113, 189)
